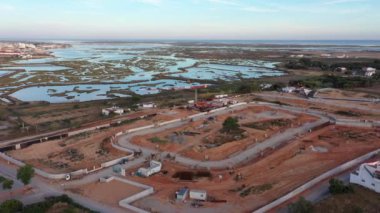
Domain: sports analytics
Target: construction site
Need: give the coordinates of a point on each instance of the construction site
(265, 178)
(237, 156)
(205, 139)
(87, 148)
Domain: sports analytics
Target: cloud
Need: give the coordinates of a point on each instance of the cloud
(343, 1)
(152, 2)
(6, 8)
(227, 2)
(259, 9)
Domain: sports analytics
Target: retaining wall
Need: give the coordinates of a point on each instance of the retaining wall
(116, 161)
(42, 173)
(127, 201)
(139, 129)
(77, 132)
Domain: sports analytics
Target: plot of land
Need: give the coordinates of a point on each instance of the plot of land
(70, 154)
(108, 193)
(204, 140)
(335, 93)
(274, 174)
(87, 150)
(343, 109)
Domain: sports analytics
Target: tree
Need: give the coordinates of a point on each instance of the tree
(301, 206)
(248, 88)
(11, 206)
(7, 184)
(2, 179)
(338, 187)
(25, 174)
(230, 124)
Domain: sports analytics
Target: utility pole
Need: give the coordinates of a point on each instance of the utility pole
(196, 96)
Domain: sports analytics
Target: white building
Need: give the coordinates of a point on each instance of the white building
(368, 175)
(265, 86)
(369, 71)
(326, 55)
(288, 89)
(154, 167)
(148, 105)
(221, 96)
(296, 56)
(342, 56)
(198, 195)
(116, 110)
(341, 69)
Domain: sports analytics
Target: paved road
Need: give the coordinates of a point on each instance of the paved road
(317, 100)
(250, 153)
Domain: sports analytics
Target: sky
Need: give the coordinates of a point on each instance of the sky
(191, 19)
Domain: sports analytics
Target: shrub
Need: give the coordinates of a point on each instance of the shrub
(25, 174)
(7, 184)
(338, 187)
(11, 206)
(230, 124)
(301, 206)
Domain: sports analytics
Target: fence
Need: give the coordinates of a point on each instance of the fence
(148, 190)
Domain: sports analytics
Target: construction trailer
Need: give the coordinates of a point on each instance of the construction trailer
(182, 194)
(115, 110)
(154, 167)
(196, 194)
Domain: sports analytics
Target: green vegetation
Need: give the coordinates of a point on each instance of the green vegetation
(2, 179)
(11, 206)
(25, 174)
(338, 187)
(247, 88)
(158, 140)
(7, 184)
(301, 206)
(305, 63)
(230, 125)
(339, 82)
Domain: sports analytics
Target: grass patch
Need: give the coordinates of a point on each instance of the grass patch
(158, 140)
